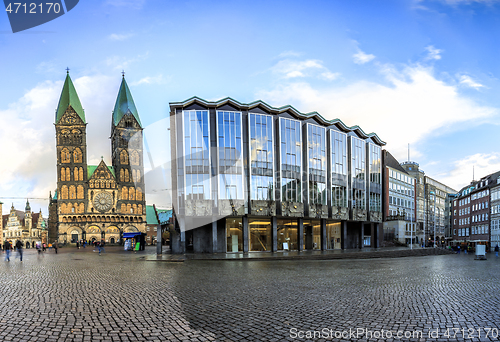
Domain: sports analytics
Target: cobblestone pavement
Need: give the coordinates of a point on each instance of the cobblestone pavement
(77, 295)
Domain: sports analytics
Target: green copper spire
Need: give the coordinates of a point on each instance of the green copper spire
(69, 97)
(124, 103)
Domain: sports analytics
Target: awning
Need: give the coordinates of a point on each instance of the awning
(131, 235)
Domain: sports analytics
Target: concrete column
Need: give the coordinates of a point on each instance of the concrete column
(301, 233)
(274, 233)
(244, 222)
(158, 239)
(343, 235)
(214, 237)
(323, 234)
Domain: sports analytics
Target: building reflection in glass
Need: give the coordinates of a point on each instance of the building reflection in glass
(234, 234)
(261, 157)
(287, 235)
(260, 238)
(316, 155)
(291, 160)
(338, 147)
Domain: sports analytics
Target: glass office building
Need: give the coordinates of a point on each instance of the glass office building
(254, 178)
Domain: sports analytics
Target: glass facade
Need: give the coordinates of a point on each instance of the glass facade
(287, 235)
(375, 178)
(234, 235)
(260, 237)
(338, 148)
(316, 156)
(197, 154)
(358, 160)
(261, 157)
(290, 160)
(230, 156)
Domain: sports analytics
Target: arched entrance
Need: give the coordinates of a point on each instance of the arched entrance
(75, 234)
(93, 234)
(112, 234)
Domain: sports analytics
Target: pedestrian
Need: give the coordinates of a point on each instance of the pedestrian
(78, 244)
(496, 250)
(7, 247)
(102, 247)
(44, 247)
(98, 244)
(19, 246)
(55, 246)
(458, 249)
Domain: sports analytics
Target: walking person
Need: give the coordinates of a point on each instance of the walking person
(19, 246)
(496, 250)
(7, 247)
(55, 246)
(101, 245)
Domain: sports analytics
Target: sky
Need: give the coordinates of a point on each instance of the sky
(418, 73)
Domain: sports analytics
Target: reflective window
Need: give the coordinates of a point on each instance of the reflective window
(234, 234)
(316, 155)
(230, 155)
(376, 178)
(291, 160)
(338, 147)
(358, 160)
(259, 235)
(197, 154)
(333, 235)
(287, 235)
(261, 157)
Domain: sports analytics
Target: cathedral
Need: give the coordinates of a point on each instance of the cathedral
(97, 202)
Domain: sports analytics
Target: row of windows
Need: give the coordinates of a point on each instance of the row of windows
(480, 206)
(402, 177)
(134, 158)
(495, 194)
(401, 189)
(72, 192)
(229, 127)
(125, 176)
(401, 202)
(102, 184)
(482, 217)
(65, 174)
(480, 194)
(495, 224)
(66, 155)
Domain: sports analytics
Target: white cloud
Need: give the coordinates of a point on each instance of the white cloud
(120, 37)
(469, 82)
(362, 58)
(159, 79)
(412, 107)
(433, 53)
(122, 63)
(308, 68)
(481, 164)
(289, 53)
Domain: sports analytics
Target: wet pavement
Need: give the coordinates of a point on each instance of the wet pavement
(78, 295)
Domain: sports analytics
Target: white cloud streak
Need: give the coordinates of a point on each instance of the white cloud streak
(482, 163)
(469, 82)
(290, 69)
(433, 53)
(361, 58)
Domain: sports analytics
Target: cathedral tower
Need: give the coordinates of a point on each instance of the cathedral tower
(127, 154)
(71, 152)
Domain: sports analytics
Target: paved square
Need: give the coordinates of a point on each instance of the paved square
(78, 295)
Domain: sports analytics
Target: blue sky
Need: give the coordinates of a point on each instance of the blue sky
(423, 73)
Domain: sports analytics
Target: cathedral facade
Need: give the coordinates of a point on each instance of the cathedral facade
(97, 202)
